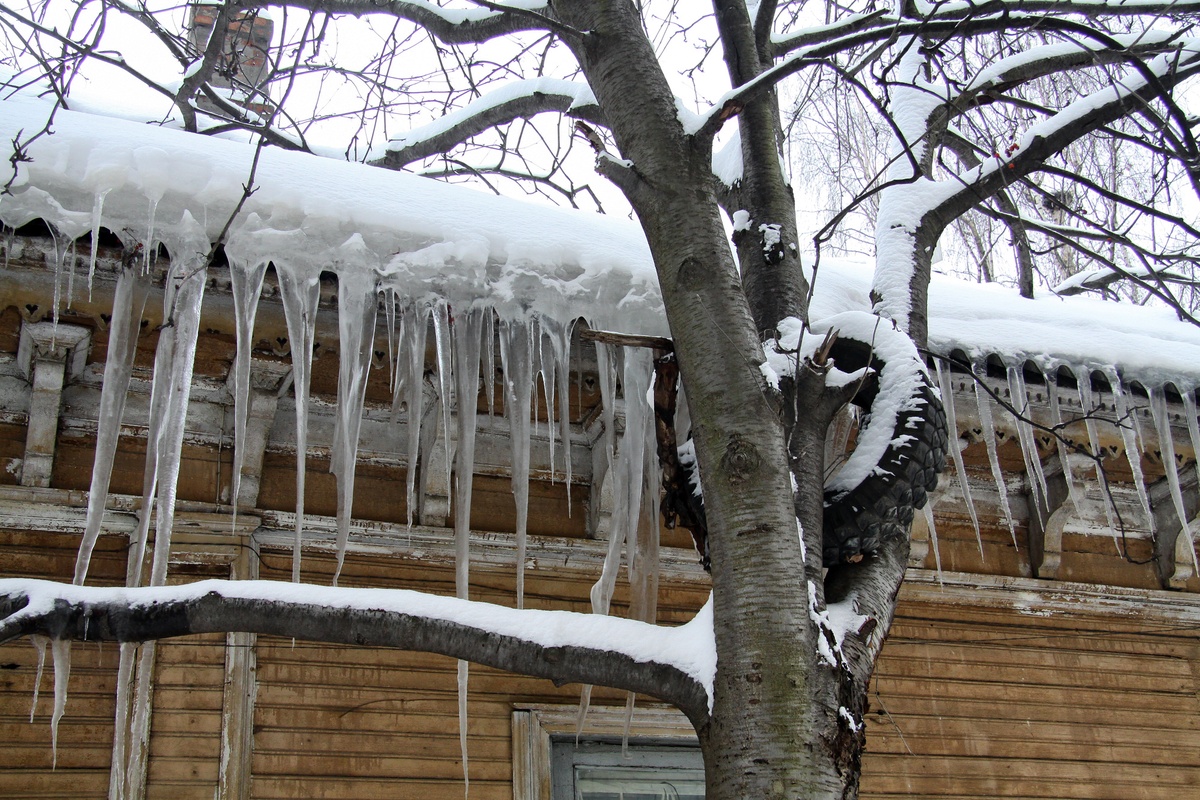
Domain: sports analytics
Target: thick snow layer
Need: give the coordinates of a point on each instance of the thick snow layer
(423, 238)
(428, 240)
(1146, 344)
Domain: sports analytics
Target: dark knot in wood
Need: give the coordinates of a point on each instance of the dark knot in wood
(740, 460)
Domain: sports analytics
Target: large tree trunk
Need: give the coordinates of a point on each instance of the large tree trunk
(774, 731)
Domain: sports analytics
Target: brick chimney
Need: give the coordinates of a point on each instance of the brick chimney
(244, 55)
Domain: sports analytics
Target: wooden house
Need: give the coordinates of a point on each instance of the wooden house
(1047, 641)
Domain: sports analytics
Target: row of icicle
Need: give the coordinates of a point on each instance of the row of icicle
(1124, 414)
(532, 350)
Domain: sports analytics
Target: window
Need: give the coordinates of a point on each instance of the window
(649, 769)
(663, 762)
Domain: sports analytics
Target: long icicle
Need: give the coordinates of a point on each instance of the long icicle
(416, 330)
(960, 468)
(1089, 407)
(1166, 446)
(1064, 455)
(357, 308)
(545, 358)
(129, 301)
(468, 331)
(1193, 425)
(1133, 453)
(445, 375)
(39, 644)
(246, 285)
(984, 403)
(1019, 395)
(300, 288)
(61, 651)
(467, 340)
(184, 330)
(516, 359)
(559, 336)
(97, 213)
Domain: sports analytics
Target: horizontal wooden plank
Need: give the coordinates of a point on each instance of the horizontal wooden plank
(266, 787)
(68, 784)
(380, 766)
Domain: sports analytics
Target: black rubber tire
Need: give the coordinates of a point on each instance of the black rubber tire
(859, 521)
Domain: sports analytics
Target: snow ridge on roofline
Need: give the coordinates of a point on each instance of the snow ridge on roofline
(421, 237)
(427, 239)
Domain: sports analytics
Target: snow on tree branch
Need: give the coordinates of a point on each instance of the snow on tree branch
(516, 100)
(1044, 139)
(673, 664)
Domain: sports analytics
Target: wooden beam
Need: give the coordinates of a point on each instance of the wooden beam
(48, 354)
(629, 340)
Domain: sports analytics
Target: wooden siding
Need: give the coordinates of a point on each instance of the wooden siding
(85, 733)
(973, 698)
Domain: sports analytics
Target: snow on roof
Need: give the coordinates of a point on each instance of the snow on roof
(424, 238)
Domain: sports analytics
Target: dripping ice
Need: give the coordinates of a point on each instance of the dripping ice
(987, 424)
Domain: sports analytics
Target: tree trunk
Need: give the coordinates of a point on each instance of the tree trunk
(773, 730)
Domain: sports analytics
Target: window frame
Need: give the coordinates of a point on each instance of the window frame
(533, 726)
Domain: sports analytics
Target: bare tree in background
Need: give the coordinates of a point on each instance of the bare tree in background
(979, 121)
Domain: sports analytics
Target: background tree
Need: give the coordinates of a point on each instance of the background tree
(969, 97)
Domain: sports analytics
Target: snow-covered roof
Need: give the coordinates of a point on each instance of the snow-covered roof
(424, 238)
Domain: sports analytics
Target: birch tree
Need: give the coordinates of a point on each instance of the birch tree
(783, 715)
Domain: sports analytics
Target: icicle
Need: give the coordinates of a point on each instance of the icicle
(160, 398)
(61, 651)
(489, 363)
(124, 699)
(628, 472)
(389, 313)
(560, 341)
(60, 257)
(947, 389)
(1166, 445)
(149, 243)
(1019, 395)
(398, 328)
(39, 643)
(1189, 407)
(416, 329)
(984, 402)
(1064, 455)
(357, 307)
(463, 667)
(1089, 407)
(97, 212)
(246, 285)
(468, 332)
(546, 370)
(139, 734)
(643, 547)
(441, 338)
(301, 292)
(129, 302)
(608, 359)
(927, 510)
(1133, 452)
(71, 274)
(184, 331)
(516, 358)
